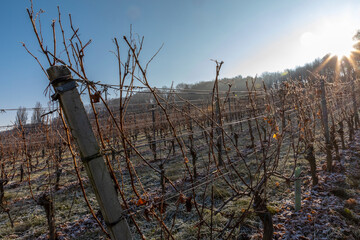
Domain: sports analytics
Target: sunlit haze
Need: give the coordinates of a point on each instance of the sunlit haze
(332, 35)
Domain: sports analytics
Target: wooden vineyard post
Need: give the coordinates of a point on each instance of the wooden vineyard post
(153, 147)
(219, 142)
(297, 189)
(191, 140)
(230, 116)
(154, 132)
(326, 126)
(355, 107)
(89, 149)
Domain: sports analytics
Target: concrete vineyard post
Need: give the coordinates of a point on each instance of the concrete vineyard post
(89, 149)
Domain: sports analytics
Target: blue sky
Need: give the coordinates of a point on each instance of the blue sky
(251, 37)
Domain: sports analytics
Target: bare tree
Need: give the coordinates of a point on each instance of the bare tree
(38, 111)
(21, 116)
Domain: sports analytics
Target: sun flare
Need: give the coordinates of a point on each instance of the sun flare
(340, 43)
(332, 36)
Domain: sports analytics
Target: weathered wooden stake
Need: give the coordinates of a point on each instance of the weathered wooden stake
(192, 147)
(48, 205)
(326, 125)
(219, 142)
(355, 107)
(97, 171)
(310, 156)
(230, 116)
(297, 189)
(154, 133)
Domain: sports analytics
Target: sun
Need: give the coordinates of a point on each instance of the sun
(340, 42)
(331, 36)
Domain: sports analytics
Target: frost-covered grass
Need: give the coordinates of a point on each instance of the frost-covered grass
(326, 215)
